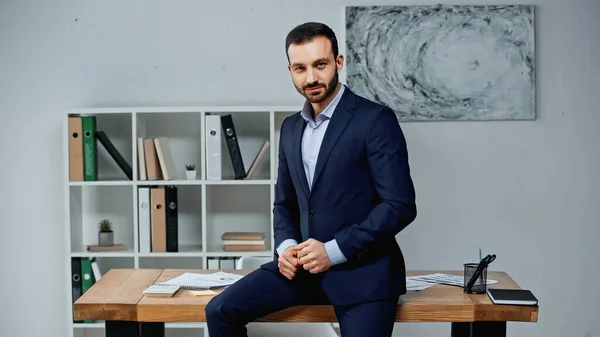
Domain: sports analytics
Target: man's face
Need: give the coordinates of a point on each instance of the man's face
(313, 68)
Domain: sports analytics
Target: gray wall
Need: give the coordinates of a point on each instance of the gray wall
(526, 191)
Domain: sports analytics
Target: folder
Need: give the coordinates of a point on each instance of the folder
(115, 154)
(75, 149)
(76, 280)
(90, 148)
(144, 219)
(87, 278)
(231, 139)
(212, 146)
(158, 217)
(171, 218)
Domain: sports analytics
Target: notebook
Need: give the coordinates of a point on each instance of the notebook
(196, 281)
(512, 296)
(161, 291)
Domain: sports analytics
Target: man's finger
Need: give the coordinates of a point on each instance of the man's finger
(287, 264)
(303, 244)
(292, 260)
(306, 258)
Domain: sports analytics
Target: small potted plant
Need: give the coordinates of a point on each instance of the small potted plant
(190, 171)
(105, 234)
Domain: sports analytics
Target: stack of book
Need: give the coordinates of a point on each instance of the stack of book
(243, 241)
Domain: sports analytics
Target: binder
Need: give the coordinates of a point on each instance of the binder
(171, 218)
(76, 280)
(87, 278)
(90, 148)
(213, 147)
(158, 217)
(144, 219)
(75, 149)
(233, 146)
(115, 154)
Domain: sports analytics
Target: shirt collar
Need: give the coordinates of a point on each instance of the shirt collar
(307, 110)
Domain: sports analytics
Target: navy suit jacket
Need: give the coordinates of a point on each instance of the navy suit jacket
(362, 196)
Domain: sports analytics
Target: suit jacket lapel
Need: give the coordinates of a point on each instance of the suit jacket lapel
(337, 124)
(297, 158)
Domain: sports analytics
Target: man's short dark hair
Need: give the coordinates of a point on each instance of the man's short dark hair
(308, 31)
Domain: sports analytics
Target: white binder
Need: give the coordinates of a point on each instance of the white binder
(213, 147)
(144, 219)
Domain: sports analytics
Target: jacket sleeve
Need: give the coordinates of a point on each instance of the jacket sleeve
(286, 215)
(387, 158)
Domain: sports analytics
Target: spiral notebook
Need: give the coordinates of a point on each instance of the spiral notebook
(196, 281)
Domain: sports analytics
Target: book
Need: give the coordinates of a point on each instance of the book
(196, 281)
(512, 296)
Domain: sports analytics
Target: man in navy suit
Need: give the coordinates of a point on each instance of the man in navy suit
(343, 192)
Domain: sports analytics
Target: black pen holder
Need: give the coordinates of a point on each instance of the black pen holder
(480, 284)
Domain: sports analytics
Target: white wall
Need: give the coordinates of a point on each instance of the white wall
(527, 191)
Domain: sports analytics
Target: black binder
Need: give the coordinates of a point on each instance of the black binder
(76, 280)
(171, 221)
(115, 154)
(233, 146)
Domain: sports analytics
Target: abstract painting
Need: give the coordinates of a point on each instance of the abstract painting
(444, 62)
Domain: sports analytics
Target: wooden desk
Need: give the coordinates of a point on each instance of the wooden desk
(117, 298)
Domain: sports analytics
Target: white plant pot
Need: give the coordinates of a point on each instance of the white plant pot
(190, 175)
(105, 239)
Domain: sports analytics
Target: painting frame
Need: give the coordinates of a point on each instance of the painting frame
(444, 62)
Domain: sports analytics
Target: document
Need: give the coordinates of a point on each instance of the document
(439, 278)
(197, 281)
(413, 284)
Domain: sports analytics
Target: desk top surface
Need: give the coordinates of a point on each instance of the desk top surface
(118, 295)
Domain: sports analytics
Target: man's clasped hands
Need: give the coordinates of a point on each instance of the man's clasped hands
(310, 255)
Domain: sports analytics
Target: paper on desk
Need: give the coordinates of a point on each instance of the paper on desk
(455, 280)
(416, 285)
(197, 281)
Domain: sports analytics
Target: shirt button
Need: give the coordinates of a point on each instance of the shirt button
(311, 160)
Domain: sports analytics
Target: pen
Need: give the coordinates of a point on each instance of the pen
(479, 253)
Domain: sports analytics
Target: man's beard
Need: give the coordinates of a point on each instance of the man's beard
(329, 88)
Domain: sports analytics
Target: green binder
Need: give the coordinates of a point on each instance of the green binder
(90, 148)
(87, 278)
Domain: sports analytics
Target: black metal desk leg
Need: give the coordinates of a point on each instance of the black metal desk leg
(479, 329)
(137, 329)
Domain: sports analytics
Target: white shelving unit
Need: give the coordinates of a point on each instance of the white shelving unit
(206, 208)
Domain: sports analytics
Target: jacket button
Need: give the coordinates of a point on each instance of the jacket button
(311, 212)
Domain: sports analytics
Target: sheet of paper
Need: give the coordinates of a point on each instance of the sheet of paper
(198, 281)
(456, 280)
(416, 285)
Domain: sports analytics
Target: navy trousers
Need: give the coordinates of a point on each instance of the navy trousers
(262, 292)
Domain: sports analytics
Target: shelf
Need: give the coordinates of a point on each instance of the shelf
(185, 250)
(243, 208)
(182, 131)
(161, 262)
(102, 183)
(168, 182)
(240, 182)
(205, 208)
(252, 129)
(91, 204)
(182, 325)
